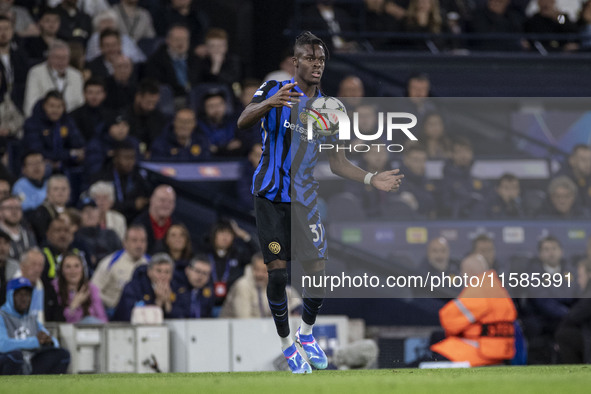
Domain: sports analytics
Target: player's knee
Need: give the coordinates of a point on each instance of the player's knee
(276, 264)
(313, 267)
(277, 283)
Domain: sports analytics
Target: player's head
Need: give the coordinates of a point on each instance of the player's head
(309, 56)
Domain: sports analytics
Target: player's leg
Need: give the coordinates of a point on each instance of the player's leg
(311, 252)
(274, 237)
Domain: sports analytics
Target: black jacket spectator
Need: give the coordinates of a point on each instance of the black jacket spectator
(196, 20)
(168, 148)
(19, 64)
(90, 120)
(75, 25)
(160, 67)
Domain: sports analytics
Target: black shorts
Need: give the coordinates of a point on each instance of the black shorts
(285, 227)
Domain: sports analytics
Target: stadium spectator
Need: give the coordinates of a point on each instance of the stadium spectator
(21, 332)
(326, 16)
(75, 24)
(90, 117)
(228, 256)
(418, 191)
(546, 306)
(21, 237)
(574, 332)
(107, 20)
(173, 63)
(38, 47)
(351, 89)
(8, 266)
(550, 20)
(116, 269)
(504, 203)
(79, 298)
(184, 12)
(11, 126)
(103, 193)
(434, 138)
(584, 24)
(195, 294)
(424, 16)
(439, 259)
(31, 187)
(131, 189)
(418, 91)
(13, 67)
(100, 150)
(479, 324)
(90, 7)
(377, 19)
(219, 66)
(578, 169)
(248, 297)
(23, 23)
(134, 21)
(497, 17)
(484, 245)
(151, 284)
(286, 70)
(31, 267)
(121, 86)
(159, 216)
(177, 244)
(182, 140)
(110, 46)
(146, 121)
(244, 182)
(99, 242)
(58, 195)
(54, 74)
(460, 191)
(561, 202)
(219, 126)
(52, 132)
(375, 202)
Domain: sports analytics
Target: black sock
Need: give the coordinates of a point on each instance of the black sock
(278, 300)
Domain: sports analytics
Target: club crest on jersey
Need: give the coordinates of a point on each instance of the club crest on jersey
(274, 247)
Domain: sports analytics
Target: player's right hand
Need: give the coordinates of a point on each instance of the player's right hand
(284, 97)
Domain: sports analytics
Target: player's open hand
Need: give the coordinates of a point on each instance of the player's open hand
(388, 181)
(285, 97)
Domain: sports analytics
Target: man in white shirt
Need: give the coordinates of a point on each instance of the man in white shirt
(115, 270)
(54, 74)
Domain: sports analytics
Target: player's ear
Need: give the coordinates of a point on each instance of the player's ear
(295, 61)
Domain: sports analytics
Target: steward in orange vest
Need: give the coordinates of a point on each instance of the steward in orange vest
(479, 323)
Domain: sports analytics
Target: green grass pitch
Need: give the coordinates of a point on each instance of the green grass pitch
(497, 380)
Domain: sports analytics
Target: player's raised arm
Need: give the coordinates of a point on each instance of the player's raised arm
(386, 180)
(255, 111)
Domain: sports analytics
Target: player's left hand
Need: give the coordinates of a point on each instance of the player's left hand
(388, 181)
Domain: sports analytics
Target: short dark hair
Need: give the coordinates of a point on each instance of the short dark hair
(462, 141)
(94, 81)
(220, 225)
(200, 257)
(507, 177)
(109, 33)
(480, 238)
(53, 94)
(28, 153)
(250, 83)
(413, 147)
(4, 18)
(50, 11)
(308, 38)
(548, 238)
(148, 86)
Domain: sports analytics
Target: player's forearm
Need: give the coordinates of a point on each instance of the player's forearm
(342, 167)
(253, 114)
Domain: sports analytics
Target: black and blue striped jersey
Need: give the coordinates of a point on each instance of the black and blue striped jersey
(286, 170)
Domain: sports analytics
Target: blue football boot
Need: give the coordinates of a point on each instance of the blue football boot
(315, 354)
(296, 362)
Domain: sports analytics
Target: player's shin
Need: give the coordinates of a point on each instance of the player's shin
(277, 297)
(313, 298)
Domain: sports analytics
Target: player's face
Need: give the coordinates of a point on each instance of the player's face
(309, 63)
